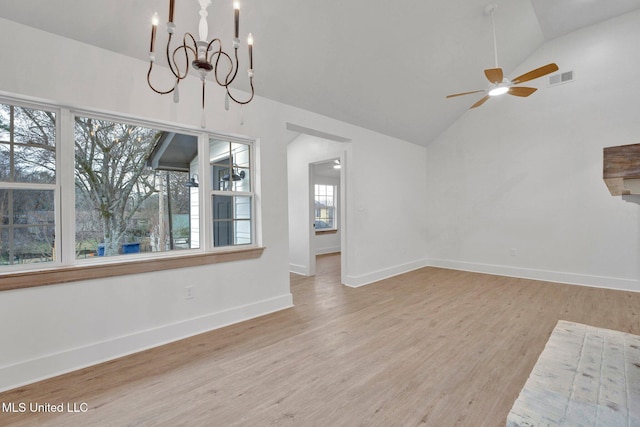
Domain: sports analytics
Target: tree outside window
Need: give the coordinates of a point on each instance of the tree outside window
(123, 204)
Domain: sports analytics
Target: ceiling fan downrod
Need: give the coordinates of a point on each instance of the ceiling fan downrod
(488, 10)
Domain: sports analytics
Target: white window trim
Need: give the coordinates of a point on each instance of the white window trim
(251, 194)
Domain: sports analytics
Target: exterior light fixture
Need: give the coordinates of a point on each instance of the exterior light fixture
(193, 182)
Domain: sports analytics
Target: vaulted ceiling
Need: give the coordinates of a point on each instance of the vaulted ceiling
(386, 66)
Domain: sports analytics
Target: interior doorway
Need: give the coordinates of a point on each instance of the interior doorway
(325, 209)
(308, 158)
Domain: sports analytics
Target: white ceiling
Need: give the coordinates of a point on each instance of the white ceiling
(386, 66)
(327, 169)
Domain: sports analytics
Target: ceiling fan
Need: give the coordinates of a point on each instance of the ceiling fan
(499, 85)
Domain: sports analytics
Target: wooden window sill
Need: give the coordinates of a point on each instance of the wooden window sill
(326, 232)
(56, 275)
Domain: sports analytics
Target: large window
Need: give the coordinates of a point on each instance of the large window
(27, 185)
(133, 190)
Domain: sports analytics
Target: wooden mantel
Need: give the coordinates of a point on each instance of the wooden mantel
(621, 169)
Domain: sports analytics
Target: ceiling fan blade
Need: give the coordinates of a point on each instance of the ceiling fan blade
(479, 103)
(534, 74)
(464, 93)
(494, 75)
(521, 91)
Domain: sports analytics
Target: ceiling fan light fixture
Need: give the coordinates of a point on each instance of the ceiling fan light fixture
(499, 85)
(499, 90)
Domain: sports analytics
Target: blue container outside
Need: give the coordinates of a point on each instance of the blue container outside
(131, 248)
(101, 249)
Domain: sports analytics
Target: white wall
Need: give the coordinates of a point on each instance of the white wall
(526, 174)
(49, 330)
(385, 210)
(383, 213)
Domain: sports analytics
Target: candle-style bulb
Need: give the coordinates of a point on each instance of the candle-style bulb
(172, 7)
(250, 43)
(155, 19)
(236, 18)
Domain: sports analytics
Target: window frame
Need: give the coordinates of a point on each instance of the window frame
(55, 186)
(251, 194)
(71, 182)
(334, 197)
(66, 267)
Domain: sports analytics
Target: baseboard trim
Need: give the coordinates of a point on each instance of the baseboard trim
(366, 279)
(52, 365)
(299, 269)
(613, 283)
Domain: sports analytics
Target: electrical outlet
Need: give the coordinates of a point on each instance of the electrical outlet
(188, 292)
(513, 251)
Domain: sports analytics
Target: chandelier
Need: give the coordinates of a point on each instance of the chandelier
(203, 55)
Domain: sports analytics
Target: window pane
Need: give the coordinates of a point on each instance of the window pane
(6, 255)
(240, 154)
(231, 220)
(33, 244)
(27, 144)
(230, 166)
(27, 226)
(134, 189)
(34, 165)
(244, 184)
(5, 160)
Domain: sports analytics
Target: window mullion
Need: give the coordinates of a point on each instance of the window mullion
(11, 143)
(256, 211)
(66, 228)
(206, 214)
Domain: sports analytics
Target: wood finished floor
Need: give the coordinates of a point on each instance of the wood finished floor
(433, 347)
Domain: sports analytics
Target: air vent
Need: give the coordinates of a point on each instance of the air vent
(558, 79)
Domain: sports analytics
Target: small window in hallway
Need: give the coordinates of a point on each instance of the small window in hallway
(325, 207)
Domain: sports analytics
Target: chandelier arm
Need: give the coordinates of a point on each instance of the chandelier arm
(242, 102)
(176, 71)
(209, 48)
(215, 73)
(235, 72)
(193, 40)
(186, 50)
(218, 54)
(161, 92)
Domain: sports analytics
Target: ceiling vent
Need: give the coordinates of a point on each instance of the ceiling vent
(558, 79)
